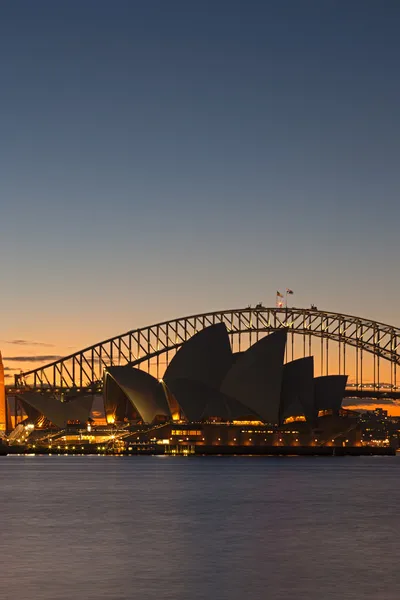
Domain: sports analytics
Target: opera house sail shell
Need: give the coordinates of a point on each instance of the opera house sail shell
(255, 379)
(297, 394)
(329, 391)
(134, 389)
(205, 357)
(58, 413)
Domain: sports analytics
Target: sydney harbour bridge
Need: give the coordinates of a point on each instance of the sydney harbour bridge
(367, 351)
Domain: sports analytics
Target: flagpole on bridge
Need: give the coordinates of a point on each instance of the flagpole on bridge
(290, 292)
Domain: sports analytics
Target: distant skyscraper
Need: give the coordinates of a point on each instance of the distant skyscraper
(3, 409)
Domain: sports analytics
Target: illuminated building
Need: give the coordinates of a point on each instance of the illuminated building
(223, 394)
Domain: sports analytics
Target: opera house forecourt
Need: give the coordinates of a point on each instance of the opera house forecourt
(210, 400)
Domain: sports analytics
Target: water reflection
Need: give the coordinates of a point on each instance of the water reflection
(200, 528)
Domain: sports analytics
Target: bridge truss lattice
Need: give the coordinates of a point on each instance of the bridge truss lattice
(340, 342)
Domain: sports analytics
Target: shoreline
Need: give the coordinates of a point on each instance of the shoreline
(285, 451)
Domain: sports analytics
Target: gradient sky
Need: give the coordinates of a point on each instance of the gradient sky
(162, 158)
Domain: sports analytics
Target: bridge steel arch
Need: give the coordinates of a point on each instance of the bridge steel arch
(138, 347)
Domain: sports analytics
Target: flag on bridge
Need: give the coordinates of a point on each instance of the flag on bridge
(289, 291)
(279, 295)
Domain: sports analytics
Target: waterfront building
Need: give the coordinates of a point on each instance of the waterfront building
(209, 389)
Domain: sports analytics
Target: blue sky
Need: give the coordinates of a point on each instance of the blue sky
(165, 158)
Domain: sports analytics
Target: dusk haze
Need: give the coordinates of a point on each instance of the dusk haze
(200, 341)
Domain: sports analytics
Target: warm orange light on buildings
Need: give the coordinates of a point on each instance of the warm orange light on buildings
(294, 419)
(247, 422)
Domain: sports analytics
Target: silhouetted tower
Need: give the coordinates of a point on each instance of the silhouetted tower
(3, 407)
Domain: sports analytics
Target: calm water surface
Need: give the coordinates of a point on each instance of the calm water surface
(108, 528)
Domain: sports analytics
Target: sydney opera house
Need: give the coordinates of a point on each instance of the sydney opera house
(209, 395)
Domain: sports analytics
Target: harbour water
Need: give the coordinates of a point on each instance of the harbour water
(175, 528)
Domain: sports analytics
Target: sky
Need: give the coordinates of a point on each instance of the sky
(160, 159)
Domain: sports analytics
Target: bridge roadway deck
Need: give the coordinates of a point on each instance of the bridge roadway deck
(368, 393)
